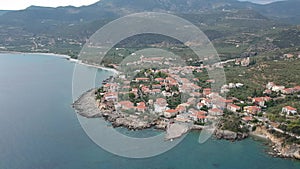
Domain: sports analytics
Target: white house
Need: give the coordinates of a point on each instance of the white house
(289, 110)
(160, 105)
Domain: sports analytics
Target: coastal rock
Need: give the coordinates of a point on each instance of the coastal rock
(131, 123)
(279, 147)
(226, 134)
(176, 130)
(86, 105)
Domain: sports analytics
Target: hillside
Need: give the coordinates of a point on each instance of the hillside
(227, 23)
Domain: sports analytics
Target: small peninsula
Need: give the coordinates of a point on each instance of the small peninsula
(168, 99)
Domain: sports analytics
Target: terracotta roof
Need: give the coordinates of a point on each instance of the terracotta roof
(142, 79)
(141, 105)
(171, 111)
(247, 118)
(290, 108)
(234, 106)
(258, 99)
(161, 101)
(216, 110)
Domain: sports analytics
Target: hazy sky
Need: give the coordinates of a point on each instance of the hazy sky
(22, 4)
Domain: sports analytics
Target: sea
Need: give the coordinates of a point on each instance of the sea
(40, 130)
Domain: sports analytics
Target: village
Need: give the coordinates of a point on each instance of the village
(162, 97)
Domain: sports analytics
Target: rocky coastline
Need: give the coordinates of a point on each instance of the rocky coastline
(87, 106)
(230, 135)
(278, 147)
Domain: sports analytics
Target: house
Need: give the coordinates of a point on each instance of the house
(247, 119)
(297, 89)
(142, 79)
(238, 85)
(260, 101)
(126, 105)
(278, 88)
(221, 102)
(181, 109)
(159, 79)
(141, 107)
(270, 85)
(160, 105)
(215, 112)
(199, 116)
(233, 107)
(289, 110)
(156, 86)
(111, 96)
(245, 61)
(252, 109)
(288, 91)
(110, 87)
(145, 89)
(155, 91)
(170, 113)
(207, 102)
(288, 56)
(267, 91)
(183, 118)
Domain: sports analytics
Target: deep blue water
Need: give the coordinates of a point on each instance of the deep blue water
(39, 129)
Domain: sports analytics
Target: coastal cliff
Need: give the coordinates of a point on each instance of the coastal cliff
(280, 148)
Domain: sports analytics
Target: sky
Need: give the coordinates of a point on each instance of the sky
(22, 4)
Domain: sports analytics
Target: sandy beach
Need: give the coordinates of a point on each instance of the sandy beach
(66, 57)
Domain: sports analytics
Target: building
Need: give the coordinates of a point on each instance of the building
(111, 96)
(233, 107)
(270, 85)
(170, 113)
(278, 88)
(142, 79)
(141, 107)
(199, 116)
(288, 91)
(110, 87)
(252, 109)
(126, 105)
(160, 105)
(259, 101)
(288, 110)
(181, 109)
(247, 119)
(215, 112)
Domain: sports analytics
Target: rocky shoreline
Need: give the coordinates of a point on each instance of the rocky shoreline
(230, 135)
(278, 148)
(86, 106)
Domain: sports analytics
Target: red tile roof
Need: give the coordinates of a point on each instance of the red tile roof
(171, 111)
(290, 108)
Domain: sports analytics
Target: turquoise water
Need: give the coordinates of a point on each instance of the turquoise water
(39, 129)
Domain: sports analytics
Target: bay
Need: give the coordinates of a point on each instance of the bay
(40, 130)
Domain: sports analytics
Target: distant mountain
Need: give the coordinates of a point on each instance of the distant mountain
(285, 11)
(65, 29)
(3, 12)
